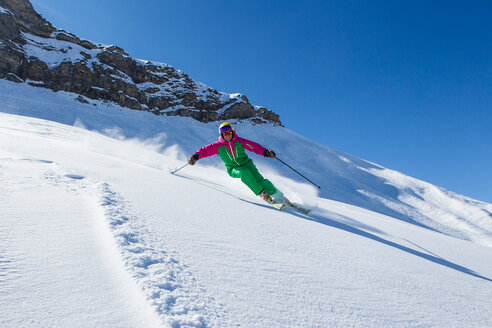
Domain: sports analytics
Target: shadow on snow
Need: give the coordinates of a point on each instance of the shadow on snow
(351, 229)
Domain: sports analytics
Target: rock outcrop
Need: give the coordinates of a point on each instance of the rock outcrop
(33, 51)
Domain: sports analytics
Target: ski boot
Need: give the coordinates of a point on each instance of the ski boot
(267, 198)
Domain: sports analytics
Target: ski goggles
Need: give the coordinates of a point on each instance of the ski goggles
(228, 132)
(225, 129)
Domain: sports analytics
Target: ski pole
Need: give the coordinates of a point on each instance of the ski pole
(179, 168)
(290, 167)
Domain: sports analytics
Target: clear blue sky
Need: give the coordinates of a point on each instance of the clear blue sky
(405, 84)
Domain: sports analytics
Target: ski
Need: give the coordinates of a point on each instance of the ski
(282, 206)
(299, 208)
(278, 206)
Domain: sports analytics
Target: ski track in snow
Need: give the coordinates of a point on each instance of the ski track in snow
(42, 242)
(168, 284)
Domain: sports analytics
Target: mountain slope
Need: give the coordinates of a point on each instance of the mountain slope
(35, 52)
(343, 177)
(202, 250)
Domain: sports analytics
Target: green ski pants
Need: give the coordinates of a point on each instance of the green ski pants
(252, 178)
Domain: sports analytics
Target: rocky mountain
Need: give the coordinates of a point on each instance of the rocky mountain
(33, 51)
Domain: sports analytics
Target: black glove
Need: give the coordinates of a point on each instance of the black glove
(193, 159)
(269, 153)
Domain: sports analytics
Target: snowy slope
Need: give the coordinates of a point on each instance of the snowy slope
(97, 233)
(203, 251)
(343, 177)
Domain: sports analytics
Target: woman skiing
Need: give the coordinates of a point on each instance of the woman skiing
(230, 148)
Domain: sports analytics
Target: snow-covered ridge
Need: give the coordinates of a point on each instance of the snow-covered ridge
(53, 52)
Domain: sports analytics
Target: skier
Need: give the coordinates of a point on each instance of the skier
(230, 149)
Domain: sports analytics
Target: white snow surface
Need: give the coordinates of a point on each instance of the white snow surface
(96, 232)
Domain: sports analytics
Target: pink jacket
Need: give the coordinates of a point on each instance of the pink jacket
(213, 148)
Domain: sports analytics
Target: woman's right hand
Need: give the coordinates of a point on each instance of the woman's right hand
(193, 159)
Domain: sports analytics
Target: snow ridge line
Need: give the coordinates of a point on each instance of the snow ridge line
(167, 284)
